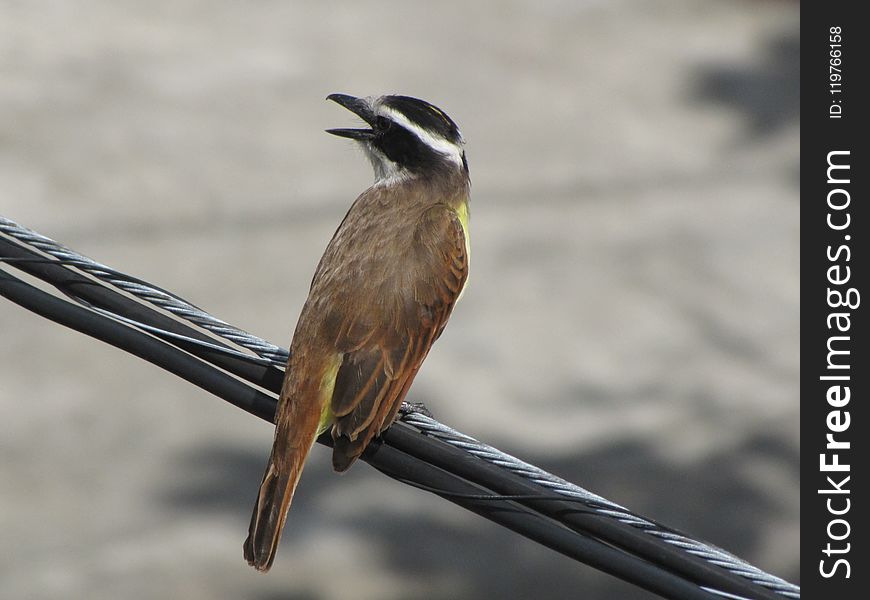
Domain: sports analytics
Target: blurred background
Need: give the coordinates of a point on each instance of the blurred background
(631, 322)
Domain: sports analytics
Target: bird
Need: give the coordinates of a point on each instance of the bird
(380, 296)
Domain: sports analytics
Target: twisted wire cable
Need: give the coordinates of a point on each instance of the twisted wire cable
(275, 355)
(147, 292)
(494, 456)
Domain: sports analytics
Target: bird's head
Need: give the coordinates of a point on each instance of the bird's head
(406, 137)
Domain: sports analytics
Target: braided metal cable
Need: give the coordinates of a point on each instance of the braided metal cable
(147, 292)
(424, 423)
(601, 505)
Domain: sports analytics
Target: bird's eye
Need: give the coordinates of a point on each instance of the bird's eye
(382, 123)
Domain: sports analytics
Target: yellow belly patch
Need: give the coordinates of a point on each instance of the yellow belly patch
(327, 387)
(462, 213)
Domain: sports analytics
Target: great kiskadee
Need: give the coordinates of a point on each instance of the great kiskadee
(380, 297)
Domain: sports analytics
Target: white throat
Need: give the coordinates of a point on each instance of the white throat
(386, 171)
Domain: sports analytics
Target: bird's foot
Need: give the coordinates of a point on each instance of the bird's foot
(415, 408)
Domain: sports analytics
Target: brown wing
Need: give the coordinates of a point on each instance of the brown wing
(374, 378)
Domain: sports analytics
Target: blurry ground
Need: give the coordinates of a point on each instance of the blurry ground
(631, 324)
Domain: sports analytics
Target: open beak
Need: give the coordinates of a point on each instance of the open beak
(359, 107)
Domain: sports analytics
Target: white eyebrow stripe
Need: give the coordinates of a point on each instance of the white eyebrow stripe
(441, 145)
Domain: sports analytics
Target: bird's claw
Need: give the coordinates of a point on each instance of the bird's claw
(415, 408)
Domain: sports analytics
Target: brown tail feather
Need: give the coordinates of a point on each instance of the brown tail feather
(291, 448)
